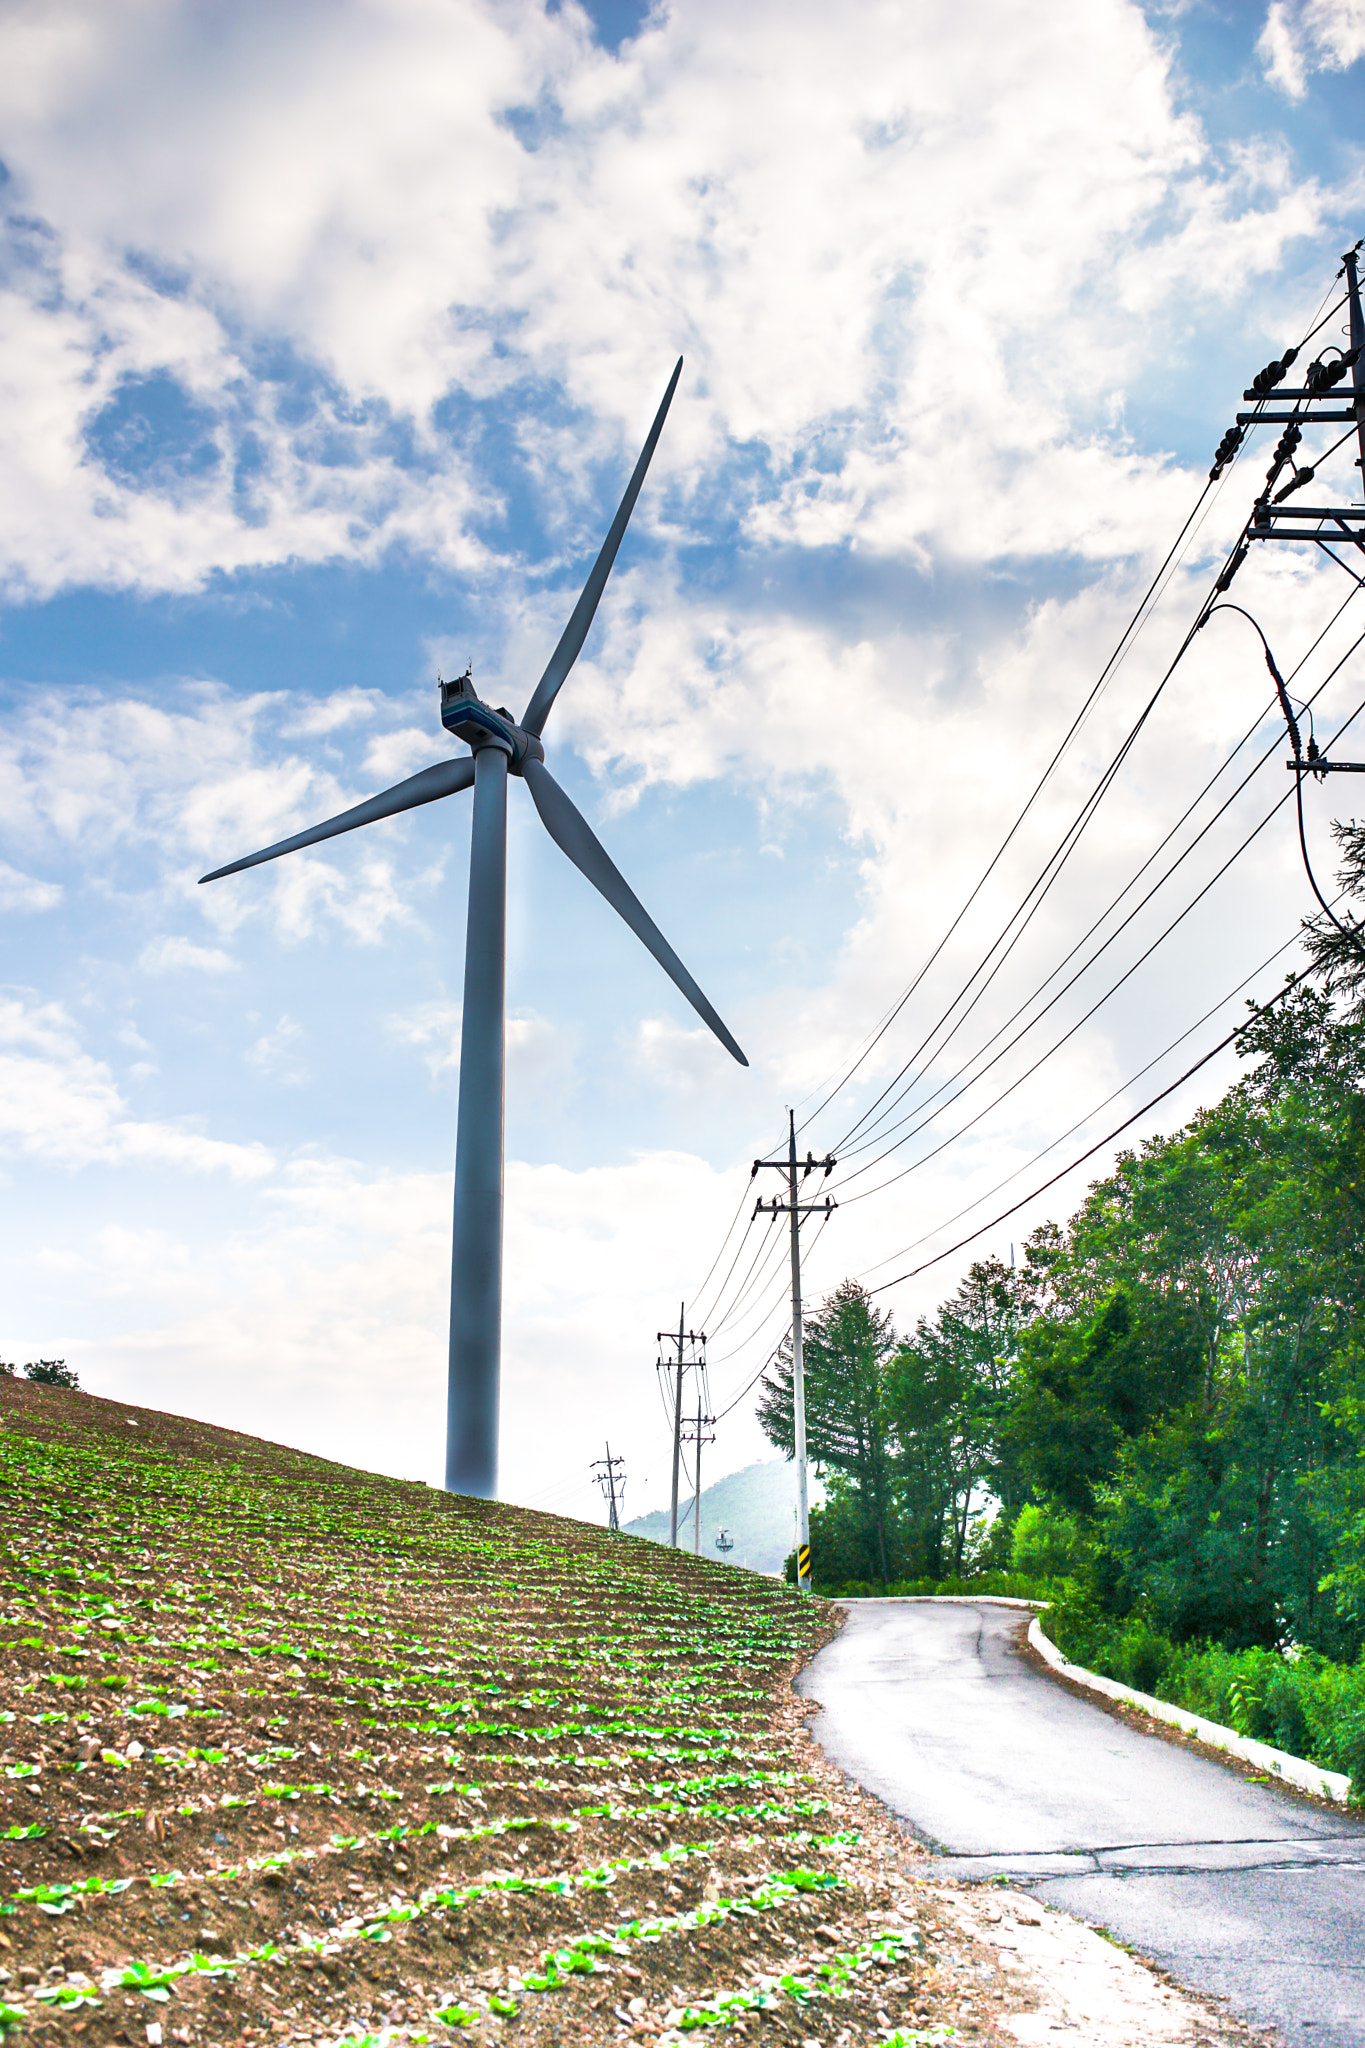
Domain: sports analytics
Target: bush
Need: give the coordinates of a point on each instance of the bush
(1012, 1585)
(52, 1372)
(1302, 1704)
(1045, 1543)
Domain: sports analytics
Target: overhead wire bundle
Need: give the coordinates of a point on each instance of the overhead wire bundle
(871, 1132)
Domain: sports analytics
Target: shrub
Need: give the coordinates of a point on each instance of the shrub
(1045, 1543)
(1302, 1704)
(52, 1372)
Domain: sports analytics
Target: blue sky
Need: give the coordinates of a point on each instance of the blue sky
(329, 336)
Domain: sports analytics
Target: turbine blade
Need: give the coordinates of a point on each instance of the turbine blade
(576, 632)
(573, 835)
(423, 788)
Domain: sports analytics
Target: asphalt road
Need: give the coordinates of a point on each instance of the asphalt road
(1243, 1890)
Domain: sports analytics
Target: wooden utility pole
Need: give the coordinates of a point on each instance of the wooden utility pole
(796, 1208)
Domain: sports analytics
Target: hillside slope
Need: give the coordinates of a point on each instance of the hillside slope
(755, 1506)
(297, 1753)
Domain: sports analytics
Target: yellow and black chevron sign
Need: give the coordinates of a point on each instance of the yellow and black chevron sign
(802, 1563)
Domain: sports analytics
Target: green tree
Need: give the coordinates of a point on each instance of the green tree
(845, 1348)
(949, 1391)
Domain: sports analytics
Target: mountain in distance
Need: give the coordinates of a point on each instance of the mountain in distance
(757, 1506)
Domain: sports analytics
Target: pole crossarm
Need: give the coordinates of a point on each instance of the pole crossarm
(610, 1475)
(794, 1207)
(776, 1208)
(684, 1339)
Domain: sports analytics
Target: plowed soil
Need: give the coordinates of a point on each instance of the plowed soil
(290, 1752)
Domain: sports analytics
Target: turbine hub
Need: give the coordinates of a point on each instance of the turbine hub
(464, 713)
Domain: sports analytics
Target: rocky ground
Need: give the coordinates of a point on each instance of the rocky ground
(292, 1753)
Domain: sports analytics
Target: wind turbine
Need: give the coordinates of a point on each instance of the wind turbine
(499, 747)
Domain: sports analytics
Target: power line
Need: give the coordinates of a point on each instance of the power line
(1129, 631)
(1122, 1089)
(1116, 900)
(1063, 853)
(1142, 958)
(1099, 1146)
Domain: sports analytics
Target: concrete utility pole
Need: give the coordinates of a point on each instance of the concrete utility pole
(796, 1209)
(699, 1434)
(682, 1337)
(606, 1468)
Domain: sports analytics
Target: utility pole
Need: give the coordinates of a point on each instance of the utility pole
(699, 1433)
(606, 1470)
(795, 1208)
(1315, 402)
(682, 1337)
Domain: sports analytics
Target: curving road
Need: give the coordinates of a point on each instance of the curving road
(1246, 1891)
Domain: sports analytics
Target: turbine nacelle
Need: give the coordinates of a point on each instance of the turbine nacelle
(465, 715)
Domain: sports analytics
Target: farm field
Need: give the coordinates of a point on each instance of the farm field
(290, 1752)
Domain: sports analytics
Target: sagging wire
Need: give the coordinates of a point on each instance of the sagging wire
(923, 1110)
(1292, 982)
(1302, 765)
(1090, 1116)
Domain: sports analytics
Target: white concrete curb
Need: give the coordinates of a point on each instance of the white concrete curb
(942, 1599)
(1294, 1770)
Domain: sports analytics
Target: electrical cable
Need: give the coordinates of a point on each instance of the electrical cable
(1090, 1115)
(757, 1376)
(1143, 612)
(952, 1138)
(1089, 1153)
(739, 1253)
(1055, 861)
(1080, 824)
(700, 1293)
(1346, 931)
(764, 1252)
(886, 1107)
(770, 1298)
(1128, 632)
(1070, 1033)
(949, 1081)
(776, 1348)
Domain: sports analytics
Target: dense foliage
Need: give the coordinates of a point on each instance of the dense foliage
(1164, 1403)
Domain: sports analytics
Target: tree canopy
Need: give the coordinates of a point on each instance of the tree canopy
(1176, 1379)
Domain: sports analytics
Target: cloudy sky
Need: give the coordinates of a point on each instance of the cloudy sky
(329, 335)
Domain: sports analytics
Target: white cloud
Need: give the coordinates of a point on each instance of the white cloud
(333, 713)
(323, 1314)
(762, 188)
(129, 784)
(22, 892)
(392, 755)
(168, 955)
(274, 1053)
(1302, 36)
(59, 1103)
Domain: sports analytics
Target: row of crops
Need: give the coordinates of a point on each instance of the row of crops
(290, 1752)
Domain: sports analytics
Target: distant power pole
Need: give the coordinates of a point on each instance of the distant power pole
(795, 1208)
(685, 1339)
(613, 1487)
(699, 1433)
